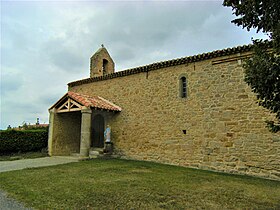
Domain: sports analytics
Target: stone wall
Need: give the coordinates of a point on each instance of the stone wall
(218, 126)
(66, 133)
(101, 63)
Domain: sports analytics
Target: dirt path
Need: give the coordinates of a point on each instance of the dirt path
(33, 163)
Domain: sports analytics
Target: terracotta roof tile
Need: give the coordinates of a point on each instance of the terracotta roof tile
(168, 63)
(94, 101)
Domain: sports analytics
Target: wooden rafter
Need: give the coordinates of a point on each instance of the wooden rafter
(69, 106)
(72, 101)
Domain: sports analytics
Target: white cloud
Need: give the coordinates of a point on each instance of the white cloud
(46, 44)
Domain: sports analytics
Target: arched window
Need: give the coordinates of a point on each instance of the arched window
(183, 87)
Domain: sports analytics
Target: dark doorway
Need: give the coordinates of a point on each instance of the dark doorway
(98, 131)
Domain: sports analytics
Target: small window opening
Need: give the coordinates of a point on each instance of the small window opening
(183, 87)
(105, 66)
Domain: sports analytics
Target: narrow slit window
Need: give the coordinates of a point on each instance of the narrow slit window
(183, 87)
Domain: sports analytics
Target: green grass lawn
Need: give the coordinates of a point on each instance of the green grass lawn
(124, 184)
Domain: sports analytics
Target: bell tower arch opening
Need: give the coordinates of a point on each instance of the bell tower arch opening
(105, 66)
(101, 63)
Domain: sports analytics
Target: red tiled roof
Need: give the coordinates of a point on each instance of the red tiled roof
(168, 63)
(94, 101)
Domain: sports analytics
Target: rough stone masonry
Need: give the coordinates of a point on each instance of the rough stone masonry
(217, 126)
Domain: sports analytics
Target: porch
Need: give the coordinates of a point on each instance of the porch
(77, 124)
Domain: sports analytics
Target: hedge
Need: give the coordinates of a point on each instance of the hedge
(22, 141)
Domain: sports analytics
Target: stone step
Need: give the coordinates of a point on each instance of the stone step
(75, 154)
(96, 149)
(98, 153)
(105, 156)
(95, 152)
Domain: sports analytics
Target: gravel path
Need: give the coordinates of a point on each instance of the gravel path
(33, 163)
(7, 203)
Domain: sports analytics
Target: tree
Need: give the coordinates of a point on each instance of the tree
(24, 125)
(262, 71)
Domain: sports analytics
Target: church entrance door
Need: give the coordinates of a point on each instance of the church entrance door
(98, 131)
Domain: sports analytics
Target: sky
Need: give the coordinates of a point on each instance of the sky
(47, 44)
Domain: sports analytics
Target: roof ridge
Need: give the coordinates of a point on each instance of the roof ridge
(171, 62)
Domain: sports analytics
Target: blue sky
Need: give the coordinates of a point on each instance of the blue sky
(47, 44)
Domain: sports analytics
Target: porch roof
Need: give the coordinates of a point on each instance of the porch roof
(72, 101)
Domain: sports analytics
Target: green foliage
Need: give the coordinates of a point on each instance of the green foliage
(262, 71)
(260, 14)
(263, 15)
(30, 128)
(12, 141)
(24, 126)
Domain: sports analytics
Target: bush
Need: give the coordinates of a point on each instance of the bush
(22, 141)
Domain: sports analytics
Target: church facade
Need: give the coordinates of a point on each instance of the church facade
(195, 111)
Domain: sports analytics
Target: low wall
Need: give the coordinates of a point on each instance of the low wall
(66, 133)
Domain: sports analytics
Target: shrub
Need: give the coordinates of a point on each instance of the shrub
(12, 141)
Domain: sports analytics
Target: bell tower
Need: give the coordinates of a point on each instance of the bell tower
(101, 63)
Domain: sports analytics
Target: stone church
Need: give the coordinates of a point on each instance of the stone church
(194, 111)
